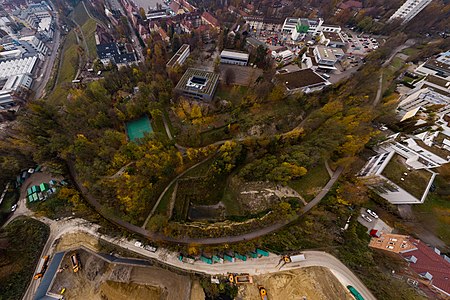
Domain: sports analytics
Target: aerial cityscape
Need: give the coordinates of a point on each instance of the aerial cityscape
(224, 149)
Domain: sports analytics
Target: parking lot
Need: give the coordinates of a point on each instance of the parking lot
(361, 44)
(375, 223)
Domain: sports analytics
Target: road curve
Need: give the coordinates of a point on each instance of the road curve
(264, 265)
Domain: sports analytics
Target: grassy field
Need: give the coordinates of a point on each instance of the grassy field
(89, 34)
(314, 180)
(24, 239)
(69, 56)
(164, 204)
(415, 182)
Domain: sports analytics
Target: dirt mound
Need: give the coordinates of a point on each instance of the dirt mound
(121, 274)
(110, 290)
(94, 267)
(313, 283)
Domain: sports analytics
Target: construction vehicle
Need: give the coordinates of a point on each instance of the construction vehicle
(262, 292)
(294, 258)
(355, 293)
(75, 263)
(243, 278)
(42, 267)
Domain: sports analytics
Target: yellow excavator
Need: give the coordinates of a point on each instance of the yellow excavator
(262, 292)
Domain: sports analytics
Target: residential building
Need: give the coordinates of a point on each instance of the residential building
(120, 54)
(391, 242)
(432, 268)
(234, 57)
(198, 84)
(179, 57)
(210, 20)
(392, 185)
(409, 10)
(306, 81)
(438, 66)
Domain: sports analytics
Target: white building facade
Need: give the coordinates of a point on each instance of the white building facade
(234, 58)
(409, 10)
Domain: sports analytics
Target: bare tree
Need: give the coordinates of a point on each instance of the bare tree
(229, 76)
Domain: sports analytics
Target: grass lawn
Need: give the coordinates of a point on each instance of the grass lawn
(414, 183)
(89, 34)
(25, 238)
(69, 56)
(79, 14)
(410, 51)
(309, 185)
(232, 207)
(434, 213)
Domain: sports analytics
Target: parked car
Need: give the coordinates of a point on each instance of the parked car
(366, 218)
(14, 207)
(372, 213)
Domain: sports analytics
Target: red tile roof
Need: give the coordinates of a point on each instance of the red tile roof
(210, 19)
(431, 262)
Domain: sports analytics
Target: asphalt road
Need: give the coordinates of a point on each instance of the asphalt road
(41, 81)
(264, 265)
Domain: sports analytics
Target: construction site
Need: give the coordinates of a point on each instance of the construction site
(312, 283)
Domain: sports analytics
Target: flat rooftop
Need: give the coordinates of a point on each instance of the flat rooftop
(396, 243)
(300, 79)
(177, 55)
(234, 54)
(198, 81)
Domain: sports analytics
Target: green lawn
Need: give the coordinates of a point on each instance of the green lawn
(89, 33)
(69, 56)
(415, 182)
(309, 185)
(25, 239)
(79, 14)
(410, 51)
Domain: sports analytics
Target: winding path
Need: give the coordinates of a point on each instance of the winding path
(189, 240)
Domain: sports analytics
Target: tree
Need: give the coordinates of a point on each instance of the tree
(229, 76)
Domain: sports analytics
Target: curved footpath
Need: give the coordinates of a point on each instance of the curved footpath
(264, 265)
(189, 240)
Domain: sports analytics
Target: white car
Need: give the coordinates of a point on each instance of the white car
(372, 213)
(138, 244)
(366, 218)
(14, 207)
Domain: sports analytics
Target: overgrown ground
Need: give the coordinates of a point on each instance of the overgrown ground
(434, 213)
(309, 185)
(21, 244)
(88, 27)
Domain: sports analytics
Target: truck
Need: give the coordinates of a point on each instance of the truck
(262, 292)
(294, 258)
(75, 262)
(355, 293)
(42, 267)
(262, 252)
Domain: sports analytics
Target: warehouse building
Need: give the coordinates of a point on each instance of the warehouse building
(233, 58)
(198, 84)
(180, 57)
(305, 81)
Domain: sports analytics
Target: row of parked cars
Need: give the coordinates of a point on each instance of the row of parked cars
(370, 213)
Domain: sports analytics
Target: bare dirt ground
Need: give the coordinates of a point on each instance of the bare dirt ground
(314, 283)
(257, 196)
(99, 280)
(197, 292)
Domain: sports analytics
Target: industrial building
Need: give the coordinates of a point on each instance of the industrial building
(180, 57)
(409, 10)
(234, 57)
(198, 84)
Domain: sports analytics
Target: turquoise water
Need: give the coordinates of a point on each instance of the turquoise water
(136, 129)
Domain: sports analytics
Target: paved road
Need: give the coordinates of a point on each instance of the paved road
(264, 265)
(41, 81)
